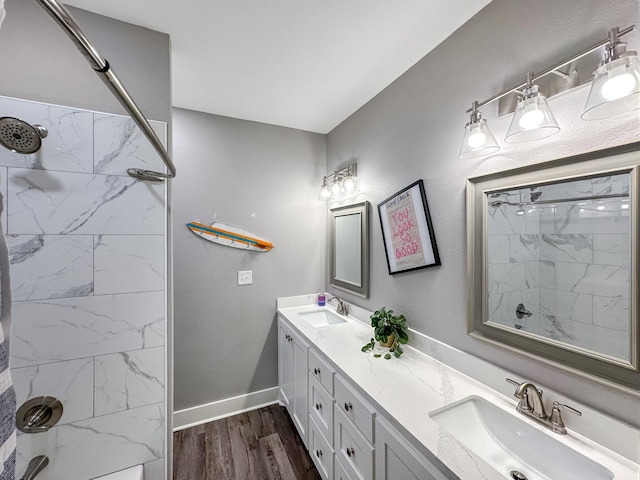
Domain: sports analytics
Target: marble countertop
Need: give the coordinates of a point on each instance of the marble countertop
(409, 388)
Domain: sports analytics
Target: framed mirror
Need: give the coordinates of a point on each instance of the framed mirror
(553, 262)
(349, 267)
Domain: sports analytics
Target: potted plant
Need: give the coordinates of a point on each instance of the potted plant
(389, 330)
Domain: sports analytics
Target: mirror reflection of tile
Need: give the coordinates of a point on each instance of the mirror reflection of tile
(568, 262)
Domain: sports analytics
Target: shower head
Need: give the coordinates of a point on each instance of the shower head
(19, 136)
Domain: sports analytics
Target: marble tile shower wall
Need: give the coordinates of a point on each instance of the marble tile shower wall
(87, 252)
(568, 263)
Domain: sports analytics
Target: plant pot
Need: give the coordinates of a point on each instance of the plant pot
(389, 342)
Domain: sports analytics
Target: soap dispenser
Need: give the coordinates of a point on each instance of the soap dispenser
(321, 298)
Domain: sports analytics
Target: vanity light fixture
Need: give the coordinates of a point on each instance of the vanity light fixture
(478, 139)
(615, 89)
(617, 79)
(343, 182)
(533, 119)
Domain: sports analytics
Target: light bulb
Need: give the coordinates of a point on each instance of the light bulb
(476, 138)
(335, 188)
(348, 184)
(619, 83)
(532, 118)
(324, 192)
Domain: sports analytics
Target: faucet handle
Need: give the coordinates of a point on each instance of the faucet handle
(557, 425)
(513, 382)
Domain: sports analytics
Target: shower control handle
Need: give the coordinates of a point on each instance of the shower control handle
(521, 311)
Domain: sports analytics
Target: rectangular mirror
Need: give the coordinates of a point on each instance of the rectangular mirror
(553, 268)
(350, 248)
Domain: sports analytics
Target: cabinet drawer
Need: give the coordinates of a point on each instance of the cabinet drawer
(355, 407)
(320, 451)
(321, 370)
(321, 408)
(352, 449)
(339, 472)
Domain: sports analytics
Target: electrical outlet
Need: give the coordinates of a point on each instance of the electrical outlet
(245, 277)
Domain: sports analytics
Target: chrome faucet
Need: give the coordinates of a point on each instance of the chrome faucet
(36, 465)
(343, 308)
(528, 393)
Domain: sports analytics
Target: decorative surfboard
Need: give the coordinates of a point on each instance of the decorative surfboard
(230, 236)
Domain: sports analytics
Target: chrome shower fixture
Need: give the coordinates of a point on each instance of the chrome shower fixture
(21, 137)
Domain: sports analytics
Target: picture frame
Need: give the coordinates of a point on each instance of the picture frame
(407, 230)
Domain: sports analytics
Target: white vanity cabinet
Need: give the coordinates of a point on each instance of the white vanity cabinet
(397, 459)
(347, 438)
(292, 376)
(321, 414)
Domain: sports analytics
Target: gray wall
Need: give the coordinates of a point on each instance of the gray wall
(413, 129)
(264, 179)
(41, 63)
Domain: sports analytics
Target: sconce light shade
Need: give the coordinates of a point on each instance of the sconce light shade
(615, 88)
(478, 140)
(350, 184)
(324, 190)
(533, 119)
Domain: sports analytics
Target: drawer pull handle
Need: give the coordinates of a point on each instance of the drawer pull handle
(318, 406)
(319, 453)
(348, 406)
(316, 371)
(350, 452)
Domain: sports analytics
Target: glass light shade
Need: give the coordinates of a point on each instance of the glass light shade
(324, 192)
(615, 89)
(533, 120)
(478, 140)
(335, 188)
(350, 184)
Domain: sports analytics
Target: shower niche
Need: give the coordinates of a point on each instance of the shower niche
(552, 267)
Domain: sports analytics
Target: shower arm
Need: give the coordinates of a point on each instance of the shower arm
(63, 18)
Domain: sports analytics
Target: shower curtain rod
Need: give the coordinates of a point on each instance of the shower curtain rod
(497, 203)
(60, 14)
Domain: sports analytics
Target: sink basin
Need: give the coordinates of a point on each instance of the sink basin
(322, 318)
(508, 443)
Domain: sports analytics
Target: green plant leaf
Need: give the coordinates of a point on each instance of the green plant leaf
(387, 356)
(377, 355)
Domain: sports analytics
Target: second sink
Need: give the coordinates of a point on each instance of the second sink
(510, 444)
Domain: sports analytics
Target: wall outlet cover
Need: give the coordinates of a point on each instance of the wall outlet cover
(245, 277)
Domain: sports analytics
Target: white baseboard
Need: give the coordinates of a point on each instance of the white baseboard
(190, 417)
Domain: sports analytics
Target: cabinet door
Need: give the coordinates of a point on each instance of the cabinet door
(320, 451)
(396, 459)
(300, 413)
(285, 366)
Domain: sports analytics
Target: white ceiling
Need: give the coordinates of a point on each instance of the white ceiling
(305, 64)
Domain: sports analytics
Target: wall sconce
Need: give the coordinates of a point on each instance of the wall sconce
(478, 139)
(533, 119)
(615, 89)
(617, 78)
(344, 182)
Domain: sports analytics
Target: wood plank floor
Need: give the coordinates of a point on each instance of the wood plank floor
(259, 445)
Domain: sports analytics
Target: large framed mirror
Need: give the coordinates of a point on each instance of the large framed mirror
(553, 262)
(349, 269)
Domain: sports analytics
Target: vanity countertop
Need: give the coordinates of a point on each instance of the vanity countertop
(407, 389)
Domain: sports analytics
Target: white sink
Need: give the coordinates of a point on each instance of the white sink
(322, 318)
(508, 443)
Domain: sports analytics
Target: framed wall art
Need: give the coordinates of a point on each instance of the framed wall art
(409, 240)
